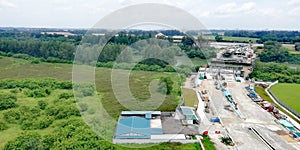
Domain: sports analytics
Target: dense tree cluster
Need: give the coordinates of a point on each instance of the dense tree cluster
(125, 47)
(166, 85)
(279, 36)
(274, 71)
(274, 52)
(35, 84)
(69, 134)
(41, 115)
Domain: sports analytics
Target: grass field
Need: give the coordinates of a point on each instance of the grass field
(233, 39)
(288, 93)
(262, 93)
(195, 61)
(291, 48)
(139, 81)
(190, 97)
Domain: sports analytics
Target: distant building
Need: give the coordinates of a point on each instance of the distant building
(160, 35)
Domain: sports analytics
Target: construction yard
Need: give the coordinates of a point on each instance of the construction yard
(230, 114)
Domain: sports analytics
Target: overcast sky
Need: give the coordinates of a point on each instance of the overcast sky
(214, 14)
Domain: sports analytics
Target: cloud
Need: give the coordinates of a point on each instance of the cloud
(293, 2)
(229, 9)
(295, 12)
(7, 4)
(233, 7)
(269, 12)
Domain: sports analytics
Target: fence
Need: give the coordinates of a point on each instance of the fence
(284, 105)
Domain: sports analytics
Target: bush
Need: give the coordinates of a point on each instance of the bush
(3, 126)
(45, 122)
(28, 141)
(33, 84)
(14, 91)
(165, 85)
(60, 112)
(65, 95)
(22, 56)
(42, 104)
(7, 101)
(35, 61)
(12, 116)
(40, 92)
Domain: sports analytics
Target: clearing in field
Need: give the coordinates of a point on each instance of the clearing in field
(291, 48)
(288, 93)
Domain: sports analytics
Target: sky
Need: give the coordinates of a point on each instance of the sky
(213, 14)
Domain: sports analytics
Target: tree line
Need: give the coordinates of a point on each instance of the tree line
(272, 71)
(279, 36)
(123, 48)
(274, 52)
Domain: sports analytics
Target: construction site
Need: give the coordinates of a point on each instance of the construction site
(228, 110)
(233, 114)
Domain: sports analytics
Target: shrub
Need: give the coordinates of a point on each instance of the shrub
(45, 122)
(3, 126)
(39, 92)
(42, 104)
(12, 116)
(32, 141)
(35, 61)
(7, 101)
(14, 91)
(65, 95)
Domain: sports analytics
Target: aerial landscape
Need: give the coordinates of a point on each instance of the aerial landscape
(125, 74)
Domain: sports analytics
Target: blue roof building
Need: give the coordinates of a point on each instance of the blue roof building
(138, 125)
(133, 128)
